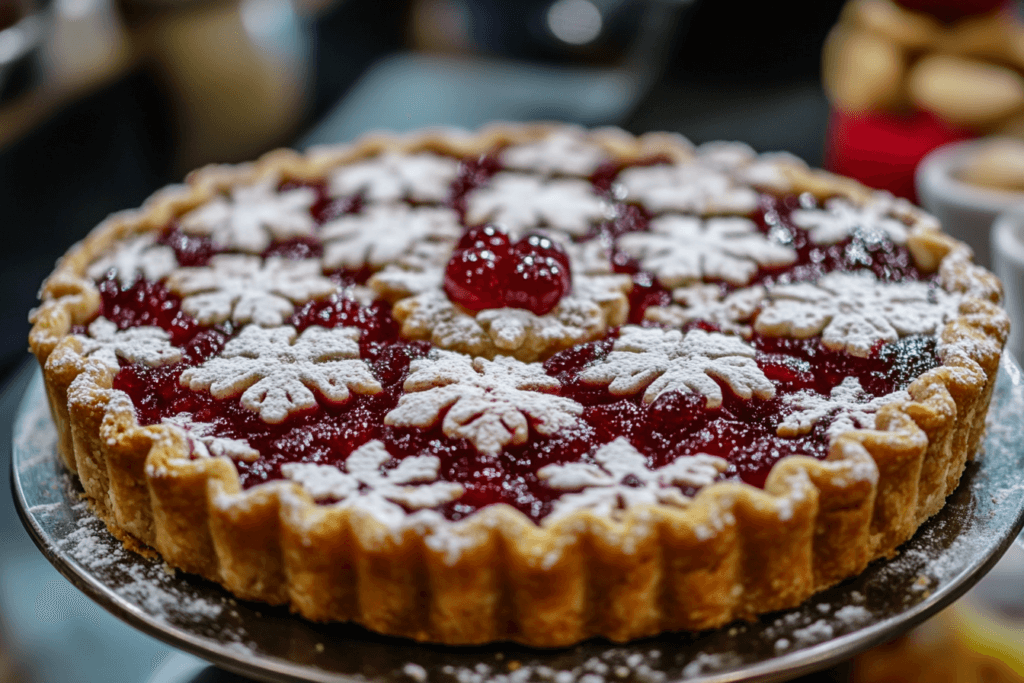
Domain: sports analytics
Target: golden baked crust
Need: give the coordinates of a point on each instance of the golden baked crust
(733, 553)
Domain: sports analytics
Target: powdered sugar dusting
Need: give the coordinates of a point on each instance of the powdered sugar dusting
(855, 311)
(411, 485)
(596, 303)
(205, 442)
(415, 672)
(145, 584)
(393, 176)
(35, 437)
(565, 151)
(273, 370)
(386, 233)
(244, 288)
(693, 188)
(685, 249)
(106, 344)
(849, 406)
(253, 216)
(489, 403)
(813, 633)
(140, 256)
(853, 614)
(620, 478)
(520, 202)
(731, 312)
(664, 360)
(841, 218)
(612, 664)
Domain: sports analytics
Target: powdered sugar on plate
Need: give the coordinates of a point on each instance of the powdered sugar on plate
(148, 585)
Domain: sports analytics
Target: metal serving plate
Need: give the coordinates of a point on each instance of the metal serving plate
(946, 557)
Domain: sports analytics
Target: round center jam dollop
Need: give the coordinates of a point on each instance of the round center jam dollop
(488, 270)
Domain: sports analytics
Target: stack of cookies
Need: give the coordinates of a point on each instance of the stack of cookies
(905, 77)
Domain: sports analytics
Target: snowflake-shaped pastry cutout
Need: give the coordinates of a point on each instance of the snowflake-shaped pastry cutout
(395, 283)
(730, 312)
(747, 167)
(253, 216)
(620, 479)
(134, 258)
(854, 312)
(595, 304)
(206, 443)
(367, 485)
(384, 233)
(687, 188)
(520, 203)
(685, 249)
(563, 152)
(592, 257)
(274, 370)
(393, 176)
(841, 218)
(725, 155)
(421, 270)
(769, 171)
(661, 361)
(244, 288)
(150, 346)
(491, 404)
(848, 404)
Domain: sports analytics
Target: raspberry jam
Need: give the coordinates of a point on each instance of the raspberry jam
(145, 303)
(489, 270)
(476, 275)
(191, 250)
(539, 275)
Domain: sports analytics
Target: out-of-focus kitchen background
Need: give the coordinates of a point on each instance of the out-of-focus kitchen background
(104, 101)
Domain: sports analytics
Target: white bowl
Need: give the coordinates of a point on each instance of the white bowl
(1008, 258)
(965, 211)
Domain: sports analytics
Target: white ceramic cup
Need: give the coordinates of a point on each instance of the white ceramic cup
(1008, 263)
(965, 211)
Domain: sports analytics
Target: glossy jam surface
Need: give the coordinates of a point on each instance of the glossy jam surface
(488, 270)
(677, 424)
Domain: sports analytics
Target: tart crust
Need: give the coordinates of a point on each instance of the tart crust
(733, 553)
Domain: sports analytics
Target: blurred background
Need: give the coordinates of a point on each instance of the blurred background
(104, 101)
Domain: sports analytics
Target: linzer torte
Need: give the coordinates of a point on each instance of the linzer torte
(532, 383)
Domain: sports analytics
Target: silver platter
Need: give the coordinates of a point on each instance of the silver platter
(945, 558)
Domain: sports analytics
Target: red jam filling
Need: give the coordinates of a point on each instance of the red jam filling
(191, 250)
(677, 424)
(145, 303)
(473, 172)
(487, 271)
